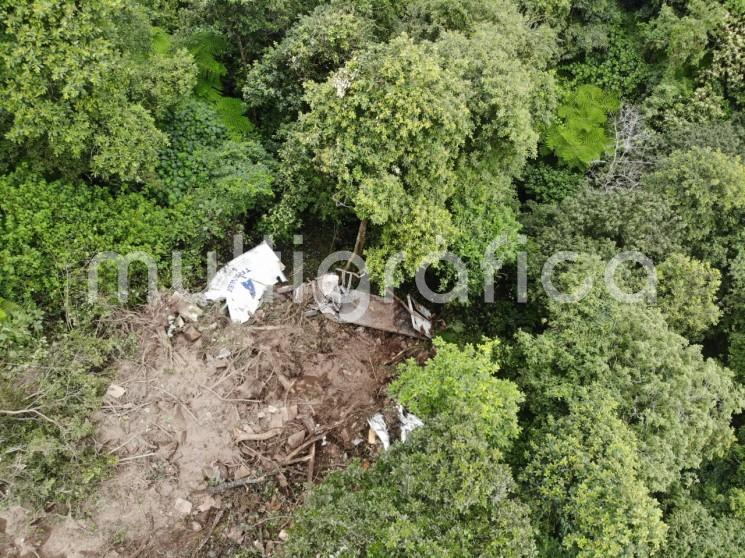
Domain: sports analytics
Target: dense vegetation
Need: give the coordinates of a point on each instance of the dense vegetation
(600, 428)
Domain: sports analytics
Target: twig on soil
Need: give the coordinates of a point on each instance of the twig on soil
(177, 400)
(301, 447)
(266, 462)
(398, 355)
(287, 462)
(234, 484)
(120, 446)
(260, 437)
(132, 458)
(125, 409)
(217, 519)
(296, 460)
(230, 374)
(228, 399)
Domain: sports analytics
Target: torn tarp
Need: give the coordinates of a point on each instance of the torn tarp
(243, 281)
(408, 422)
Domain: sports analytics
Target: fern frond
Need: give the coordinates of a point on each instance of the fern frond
(230, 110)
(580, 138)
(205, 47)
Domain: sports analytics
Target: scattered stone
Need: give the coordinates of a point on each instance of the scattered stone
(236, 534)
(182, 506)
(192, 333)
(115, 391)
(242, 472)
(207, 504)
(190, 312)
(294, 440)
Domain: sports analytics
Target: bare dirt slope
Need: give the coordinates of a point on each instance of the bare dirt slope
(218, 429)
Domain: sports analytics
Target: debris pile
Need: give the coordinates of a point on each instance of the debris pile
(218, 426)
(333, 297)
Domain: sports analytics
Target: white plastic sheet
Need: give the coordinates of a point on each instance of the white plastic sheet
(408, 422)
(243, 281)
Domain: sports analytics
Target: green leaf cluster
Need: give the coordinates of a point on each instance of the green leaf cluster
(580, 137)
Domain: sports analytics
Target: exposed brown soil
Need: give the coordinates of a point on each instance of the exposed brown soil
(218, 430)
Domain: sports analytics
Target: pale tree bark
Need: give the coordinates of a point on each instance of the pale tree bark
(359, 244)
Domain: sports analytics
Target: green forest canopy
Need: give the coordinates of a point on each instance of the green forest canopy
(590, 429)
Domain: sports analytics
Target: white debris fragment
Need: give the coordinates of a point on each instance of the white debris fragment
(409, 422)
(421, 317)
(243, 282)
(377, 423)
(334, 297)
(341, 83)
(115, 391)
(223, 354)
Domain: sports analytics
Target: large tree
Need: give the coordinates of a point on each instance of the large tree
(677, 403)
(82, 88)
(419, 140)
(585, 470)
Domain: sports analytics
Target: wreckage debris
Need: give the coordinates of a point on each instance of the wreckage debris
(407, 423)
(334, 298)
(244, 280)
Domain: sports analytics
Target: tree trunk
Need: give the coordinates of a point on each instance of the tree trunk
(359, 244)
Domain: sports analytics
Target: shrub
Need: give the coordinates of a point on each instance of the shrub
(548, 184)
(18, 328)
(51, 230)
(202, 151)
(620, 69)
(459, 385)
(48, 393)
(444, 493)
